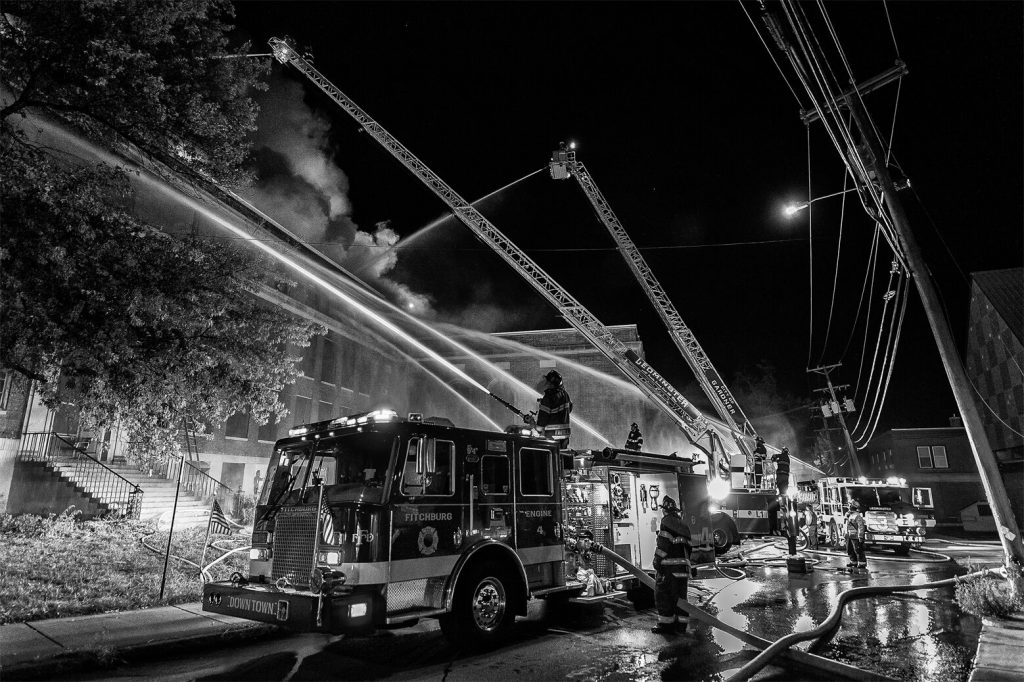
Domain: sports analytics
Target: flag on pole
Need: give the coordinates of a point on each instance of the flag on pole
(326, 523)
(219, 524)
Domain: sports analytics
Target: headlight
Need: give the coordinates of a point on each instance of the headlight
(921, 530)
(259, 553)
(910, 518)
(330, 558)
(718, 489)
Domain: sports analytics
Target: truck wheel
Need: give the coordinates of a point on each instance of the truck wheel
(483, 609)
(722, 539)
(833, 534)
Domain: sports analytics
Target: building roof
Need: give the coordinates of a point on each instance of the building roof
(1005, 291)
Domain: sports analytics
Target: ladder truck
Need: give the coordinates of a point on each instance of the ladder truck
(748, 504)
(689, 419)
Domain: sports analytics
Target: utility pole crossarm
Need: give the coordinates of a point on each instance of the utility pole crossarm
(645, 377)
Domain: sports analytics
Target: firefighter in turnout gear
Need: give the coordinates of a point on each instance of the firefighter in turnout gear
(672, 567)
(634, 441)
(855, 529)
(553, 411)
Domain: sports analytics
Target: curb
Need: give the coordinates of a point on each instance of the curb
(104, 657)
(999, 645)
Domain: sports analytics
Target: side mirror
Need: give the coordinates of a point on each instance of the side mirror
(421, 460)
(430, 459)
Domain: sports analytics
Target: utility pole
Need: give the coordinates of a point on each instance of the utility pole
(995, 489)
(854, 462)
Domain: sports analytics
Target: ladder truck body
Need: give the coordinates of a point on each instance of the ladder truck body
(689, 419)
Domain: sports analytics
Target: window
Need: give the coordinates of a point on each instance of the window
(330, 363)
(268, 431)
(534, 471)
(6, 380)
(984, 509)
(439, 483)
(325, 411)
(308, 362)
(237, 426)
(301, 415)
(494, 475)
(923, 498)
(932, 457)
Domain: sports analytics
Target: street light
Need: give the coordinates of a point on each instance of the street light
(792, 209)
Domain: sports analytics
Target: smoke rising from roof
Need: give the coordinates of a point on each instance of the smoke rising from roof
(301, 186)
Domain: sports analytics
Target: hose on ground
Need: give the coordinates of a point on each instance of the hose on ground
(831, 624)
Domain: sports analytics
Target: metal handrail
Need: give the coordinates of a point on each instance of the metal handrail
(119, 496)
(197, 482)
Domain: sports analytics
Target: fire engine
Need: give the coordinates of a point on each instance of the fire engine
(891, 517)
(375, 520)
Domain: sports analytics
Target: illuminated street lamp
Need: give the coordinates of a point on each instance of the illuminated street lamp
(792, 209)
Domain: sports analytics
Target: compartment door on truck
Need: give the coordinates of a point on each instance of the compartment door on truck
(537, 509)
(648, 491)
(427, 523)
(489, 463)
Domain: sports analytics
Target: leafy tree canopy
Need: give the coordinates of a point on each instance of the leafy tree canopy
(111, 314)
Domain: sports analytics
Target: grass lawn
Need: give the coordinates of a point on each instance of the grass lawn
(56, 567)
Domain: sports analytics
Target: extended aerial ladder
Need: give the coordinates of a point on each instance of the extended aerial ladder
(689, 419)
(564, 165)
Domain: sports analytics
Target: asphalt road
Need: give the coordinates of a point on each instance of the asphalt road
(917, 636)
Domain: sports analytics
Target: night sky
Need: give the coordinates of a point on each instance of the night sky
(696, 142)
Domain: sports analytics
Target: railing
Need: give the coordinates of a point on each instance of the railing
(120, 497)
(198, 483)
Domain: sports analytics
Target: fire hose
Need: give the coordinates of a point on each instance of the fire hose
(829, 626)
(795, 656)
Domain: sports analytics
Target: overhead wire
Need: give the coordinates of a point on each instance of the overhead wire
(835, 273)
(771, 55)
(878, 344)
(864, 439)
(885, 6)
(810, 254)
(872, 270)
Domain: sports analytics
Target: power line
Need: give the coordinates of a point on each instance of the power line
(770, 54)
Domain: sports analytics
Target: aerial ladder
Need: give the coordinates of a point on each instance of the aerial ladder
(689, 419)
(564, 165)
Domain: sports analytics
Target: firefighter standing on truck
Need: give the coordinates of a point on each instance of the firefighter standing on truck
(555, 406)
(672, 568)
(855, 529)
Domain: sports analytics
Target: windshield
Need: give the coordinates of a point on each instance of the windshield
(354, 466)
(881, 496)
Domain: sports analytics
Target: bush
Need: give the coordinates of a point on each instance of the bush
(992, 596)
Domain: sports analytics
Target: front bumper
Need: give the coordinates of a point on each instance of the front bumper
(893, 539)
(294, 610)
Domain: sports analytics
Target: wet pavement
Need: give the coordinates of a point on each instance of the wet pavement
(910, 636)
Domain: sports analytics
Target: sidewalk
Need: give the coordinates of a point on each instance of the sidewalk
(36, 648)
(1000, 651)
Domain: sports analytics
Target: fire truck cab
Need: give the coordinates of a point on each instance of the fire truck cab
(891, 518)
(372, 520)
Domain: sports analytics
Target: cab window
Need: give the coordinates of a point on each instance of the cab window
(441, 482)
(494, 475)
(534, 471)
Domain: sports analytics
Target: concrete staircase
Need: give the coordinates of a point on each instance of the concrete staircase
(158, 499)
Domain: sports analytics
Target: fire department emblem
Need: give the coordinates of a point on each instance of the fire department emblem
(427, 540)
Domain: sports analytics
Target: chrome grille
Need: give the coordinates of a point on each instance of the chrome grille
(294, 540)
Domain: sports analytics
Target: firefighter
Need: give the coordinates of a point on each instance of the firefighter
(782, 471)
(811, 527)
(855, 528)
(760, 453)
(634, 441)
(672, 567)
(555, 406)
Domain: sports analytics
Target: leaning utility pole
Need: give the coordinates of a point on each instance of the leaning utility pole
(854, 462)
(995, 489)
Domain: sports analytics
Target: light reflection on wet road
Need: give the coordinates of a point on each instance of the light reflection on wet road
(915, 636)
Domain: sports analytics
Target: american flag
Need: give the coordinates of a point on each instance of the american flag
(219, 524)
(326, 524)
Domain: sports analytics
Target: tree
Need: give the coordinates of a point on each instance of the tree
(127, 322)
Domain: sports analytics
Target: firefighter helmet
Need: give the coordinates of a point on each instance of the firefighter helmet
(554, 377)
(668, 504)
(854, 505)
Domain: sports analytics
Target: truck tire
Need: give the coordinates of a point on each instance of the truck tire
(483, 610)
(722, 536)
